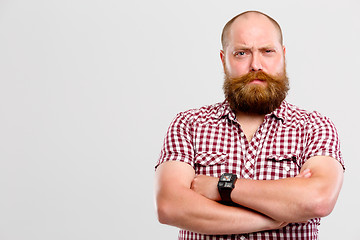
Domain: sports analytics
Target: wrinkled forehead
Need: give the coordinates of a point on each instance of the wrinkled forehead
(253, 29)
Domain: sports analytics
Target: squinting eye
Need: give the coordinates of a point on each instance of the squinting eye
(239, 53)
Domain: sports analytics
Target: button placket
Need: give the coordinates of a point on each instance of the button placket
(248, 170)
(250, 160)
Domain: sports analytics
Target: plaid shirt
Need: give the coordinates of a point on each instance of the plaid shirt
(210, 139)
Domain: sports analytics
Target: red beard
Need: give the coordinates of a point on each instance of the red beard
(256, 98)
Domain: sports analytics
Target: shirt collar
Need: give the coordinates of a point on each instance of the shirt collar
(225, 110)
(281, 112)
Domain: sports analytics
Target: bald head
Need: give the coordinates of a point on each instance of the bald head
(257, 18)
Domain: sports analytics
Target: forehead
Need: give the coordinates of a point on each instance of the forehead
(253, 30)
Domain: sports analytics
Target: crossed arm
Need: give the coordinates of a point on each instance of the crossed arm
(180, 206)
(290, 199)
(190, 202)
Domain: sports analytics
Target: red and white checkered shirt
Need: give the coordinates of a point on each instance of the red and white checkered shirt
(210, 139)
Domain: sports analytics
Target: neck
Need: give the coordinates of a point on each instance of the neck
(249, 123)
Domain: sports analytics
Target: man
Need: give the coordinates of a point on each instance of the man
(254, 166)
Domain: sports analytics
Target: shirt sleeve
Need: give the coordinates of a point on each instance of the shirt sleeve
(322, 139)
(178, 144)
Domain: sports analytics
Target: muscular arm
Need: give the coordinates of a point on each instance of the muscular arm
(289, 199)
(180, 206)
(294, 199)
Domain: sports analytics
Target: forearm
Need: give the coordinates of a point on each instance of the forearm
(284, 200)
(289, 200)
(294, 199)
(196, 213)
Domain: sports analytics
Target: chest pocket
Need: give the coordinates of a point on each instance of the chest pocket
(210, 163)
(281, 166)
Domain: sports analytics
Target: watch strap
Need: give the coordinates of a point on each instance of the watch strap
(225, 186)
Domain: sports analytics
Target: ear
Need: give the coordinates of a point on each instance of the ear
(222, 56)
(284, 49)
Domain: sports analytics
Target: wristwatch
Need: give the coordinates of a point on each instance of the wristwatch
(225, 186)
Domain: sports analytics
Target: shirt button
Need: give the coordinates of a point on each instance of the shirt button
(287, 168)
(248, 164)
(242, 238)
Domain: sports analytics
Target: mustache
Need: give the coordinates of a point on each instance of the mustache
(260, 75)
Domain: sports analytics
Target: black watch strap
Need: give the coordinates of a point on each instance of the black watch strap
(225, 186)
(226, 195)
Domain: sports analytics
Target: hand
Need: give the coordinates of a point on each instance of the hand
(206, 186)
(304, 174)
(273, 224)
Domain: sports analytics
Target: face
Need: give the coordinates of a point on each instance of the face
(254, 66)
(253, 44)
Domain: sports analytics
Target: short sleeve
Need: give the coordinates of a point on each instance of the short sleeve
(178, 144)
(322, 139)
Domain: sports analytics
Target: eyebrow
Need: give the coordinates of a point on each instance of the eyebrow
(245, 47)
(242, 47)
(268, 46)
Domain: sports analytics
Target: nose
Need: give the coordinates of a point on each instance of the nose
(255, 64)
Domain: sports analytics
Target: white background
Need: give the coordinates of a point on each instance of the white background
(89, 87)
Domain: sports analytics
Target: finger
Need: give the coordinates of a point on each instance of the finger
(305, 174)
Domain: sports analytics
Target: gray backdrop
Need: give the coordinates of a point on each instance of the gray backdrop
(89, 87)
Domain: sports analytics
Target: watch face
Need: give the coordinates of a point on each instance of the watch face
(228, 185)
(225, 178)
